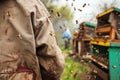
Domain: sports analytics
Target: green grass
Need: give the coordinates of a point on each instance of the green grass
(73, 69)
(65, 51)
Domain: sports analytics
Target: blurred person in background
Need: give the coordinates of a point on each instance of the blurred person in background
(67, 37)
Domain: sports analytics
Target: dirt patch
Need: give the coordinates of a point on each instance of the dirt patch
(88, 75)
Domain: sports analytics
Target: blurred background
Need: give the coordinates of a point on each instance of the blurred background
(68, 14)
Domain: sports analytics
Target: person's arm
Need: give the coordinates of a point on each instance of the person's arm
(50, 57)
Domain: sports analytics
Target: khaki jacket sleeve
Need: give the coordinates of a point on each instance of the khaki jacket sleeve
(50, 57)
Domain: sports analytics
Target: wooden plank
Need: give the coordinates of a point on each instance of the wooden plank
(86, 39)
(101, 39)
(104, 29)
(116, 41)
(101, 73)
(98, 62)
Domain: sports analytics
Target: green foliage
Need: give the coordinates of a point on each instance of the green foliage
(60, 13)
(52, 7)
(65, 51)
(66, 12)
(73, 70)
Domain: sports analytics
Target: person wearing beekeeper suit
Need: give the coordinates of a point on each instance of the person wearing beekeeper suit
(28, 48)
(67, 37)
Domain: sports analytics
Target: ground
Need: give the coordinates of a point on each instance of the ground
(77, 69)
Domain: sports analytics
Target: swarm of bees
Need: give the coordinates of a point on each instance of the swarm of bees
(58, 14)
(78, 9)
